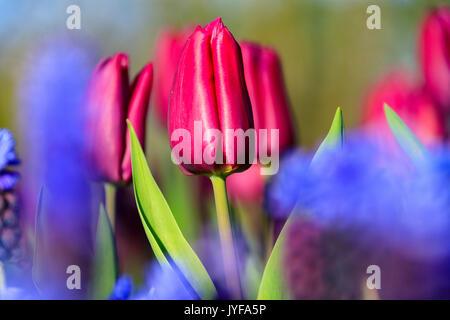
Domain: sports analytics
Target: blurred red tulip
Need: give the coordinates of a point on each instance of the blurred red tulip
(247, 186)
(270, 105)
(169, 45)
(265, 84)
(110, 100)
(414, 106)
(209, 88)
(435, 55)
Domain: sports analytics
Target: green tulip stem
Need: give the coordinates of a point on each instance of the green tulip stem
(226, 236)
(110, 203)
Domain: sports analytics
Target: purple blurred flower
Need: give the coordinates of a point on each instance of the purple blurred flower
(8, 158)
(53, 82)
(208, 250)
(163, 284)
(394, 213)
(366, 186)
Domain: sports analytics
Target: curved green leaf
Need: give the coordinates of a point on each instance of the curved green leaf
(334, 138)
(273, 285)
(105, 265)
(167, 241)
(415, 150)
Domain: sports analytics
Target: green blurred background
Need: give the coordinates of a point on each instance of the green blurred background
(330, 58)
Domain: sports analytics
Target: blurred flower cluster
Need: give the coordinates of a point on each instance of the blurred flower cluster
(385, 209)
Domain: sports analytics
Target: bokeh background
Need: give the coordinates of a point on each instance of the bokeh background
(329, 56)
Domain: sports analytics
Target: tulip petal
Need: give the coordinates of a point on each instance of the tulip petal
(276, 101)
(270, 103)
(193, 96)
(233, 102)
(107, 97)
(435, 54)
(137, 114)
(169, 46)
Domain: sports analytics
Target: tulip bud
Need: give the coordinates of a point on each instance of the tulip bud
(413, 105)
(169, 45)
(110, 100)
(435, 55)
(209, 95)
(270, 105)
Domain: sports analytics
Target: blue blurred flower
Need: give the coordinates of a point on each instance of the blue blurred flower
(163, 284)
(391, 213)
(283, 190)
(365, 186)
(50, 94)
(8, 157)
(122, 289)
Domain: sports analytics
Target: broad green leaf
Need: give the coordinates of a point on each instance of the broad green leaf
(334, 138)
(165, 237)
(38, 269)
(105, 265)
(415, 150)
(273, 284)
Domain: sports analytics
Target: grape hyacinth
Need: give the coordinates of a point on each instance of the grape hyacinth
(9, 216)
(321, 264)
(387, 208)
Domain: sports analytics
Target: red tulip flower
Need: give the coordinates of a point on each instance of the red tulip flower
(414, 105)
(110, 100)
(435, 55)
(271, 110)
(247, 186)
(265, 84)
(169, 46)
(209, 93)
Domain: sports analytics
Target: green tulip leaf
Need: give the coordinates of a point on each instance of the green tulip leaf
(334, 138)
(273, 284)
(413, 148)
(165, 237)
(105, 264)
